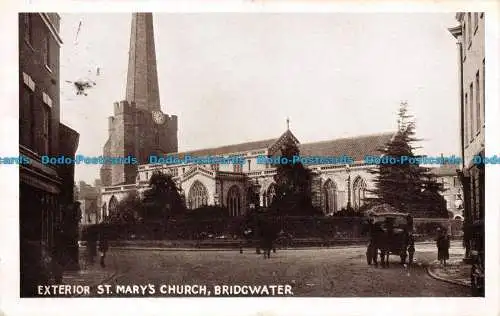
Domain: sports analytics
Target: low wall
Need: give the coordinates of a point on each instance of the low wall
(307, 228)
(234, 244)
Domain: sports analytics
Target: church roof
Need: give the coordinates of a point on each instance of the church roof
(355, 147)
(229, 149)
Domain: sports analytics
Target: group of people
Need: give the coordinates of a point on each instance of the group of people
(385, 240)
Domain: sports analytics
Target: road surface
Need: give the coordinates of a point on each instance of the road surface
(327, 272)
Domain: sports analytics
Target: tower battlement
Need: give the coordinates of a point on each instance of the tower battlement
(124, 107)
(171, 121)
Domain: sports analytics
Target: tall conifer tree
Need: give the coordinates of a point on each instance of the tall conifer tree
(402, 185)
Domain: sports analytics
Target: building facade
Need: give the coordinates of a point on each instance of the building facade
(228, 185)
(470, 35)
(89, 198)
(46, 191)
(453, 192)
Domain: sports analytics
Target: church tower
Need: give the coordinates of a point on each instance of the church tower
(138, 127)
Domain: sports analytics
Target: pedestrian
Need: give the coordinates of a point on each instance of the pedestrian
(443, 245)
(91, 246)
(411, 248)
(103, 248)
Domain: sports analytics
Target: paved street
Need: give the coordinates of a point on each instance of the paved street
(334, 272)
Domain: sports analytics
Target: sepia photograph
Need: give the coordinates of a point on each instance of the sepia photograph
(252, 160)
(252, 154)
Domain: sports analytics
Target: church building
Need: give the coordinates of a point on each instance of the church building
(140, 129)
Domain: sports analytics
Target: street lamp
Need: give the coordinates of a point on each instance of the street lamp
(348, 170)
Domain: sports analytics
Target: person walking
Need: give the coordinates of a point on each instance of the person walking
(103, 248)
(443, 245)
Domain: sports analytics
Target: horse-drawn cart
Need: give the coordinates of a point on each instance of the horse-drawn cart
(390, 234)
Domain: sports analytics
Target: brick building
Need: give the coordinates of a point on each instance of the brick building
(46, 191)
(470, 35)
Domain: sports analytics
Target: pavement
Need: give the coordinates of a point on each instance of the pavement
(90, 273)
(455, 271)
(90, 277)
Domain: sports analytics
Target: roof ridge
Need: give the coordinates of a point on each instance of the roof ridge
(227, 145)
(351, 137)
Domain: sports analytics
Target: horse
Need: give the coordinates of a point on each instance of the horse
(379, 242)
(385, 240)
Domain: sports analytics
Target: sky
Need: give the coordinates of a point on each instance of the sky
(236, 77)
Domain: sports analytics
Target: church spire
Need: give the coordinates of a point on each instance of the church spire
(142, 77)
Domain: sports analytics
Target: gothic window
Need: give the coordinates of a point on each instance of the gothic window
(330, 202)
(270, 195)
(234, 201)
(198, 195)
(112, 208)
(359, 192)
